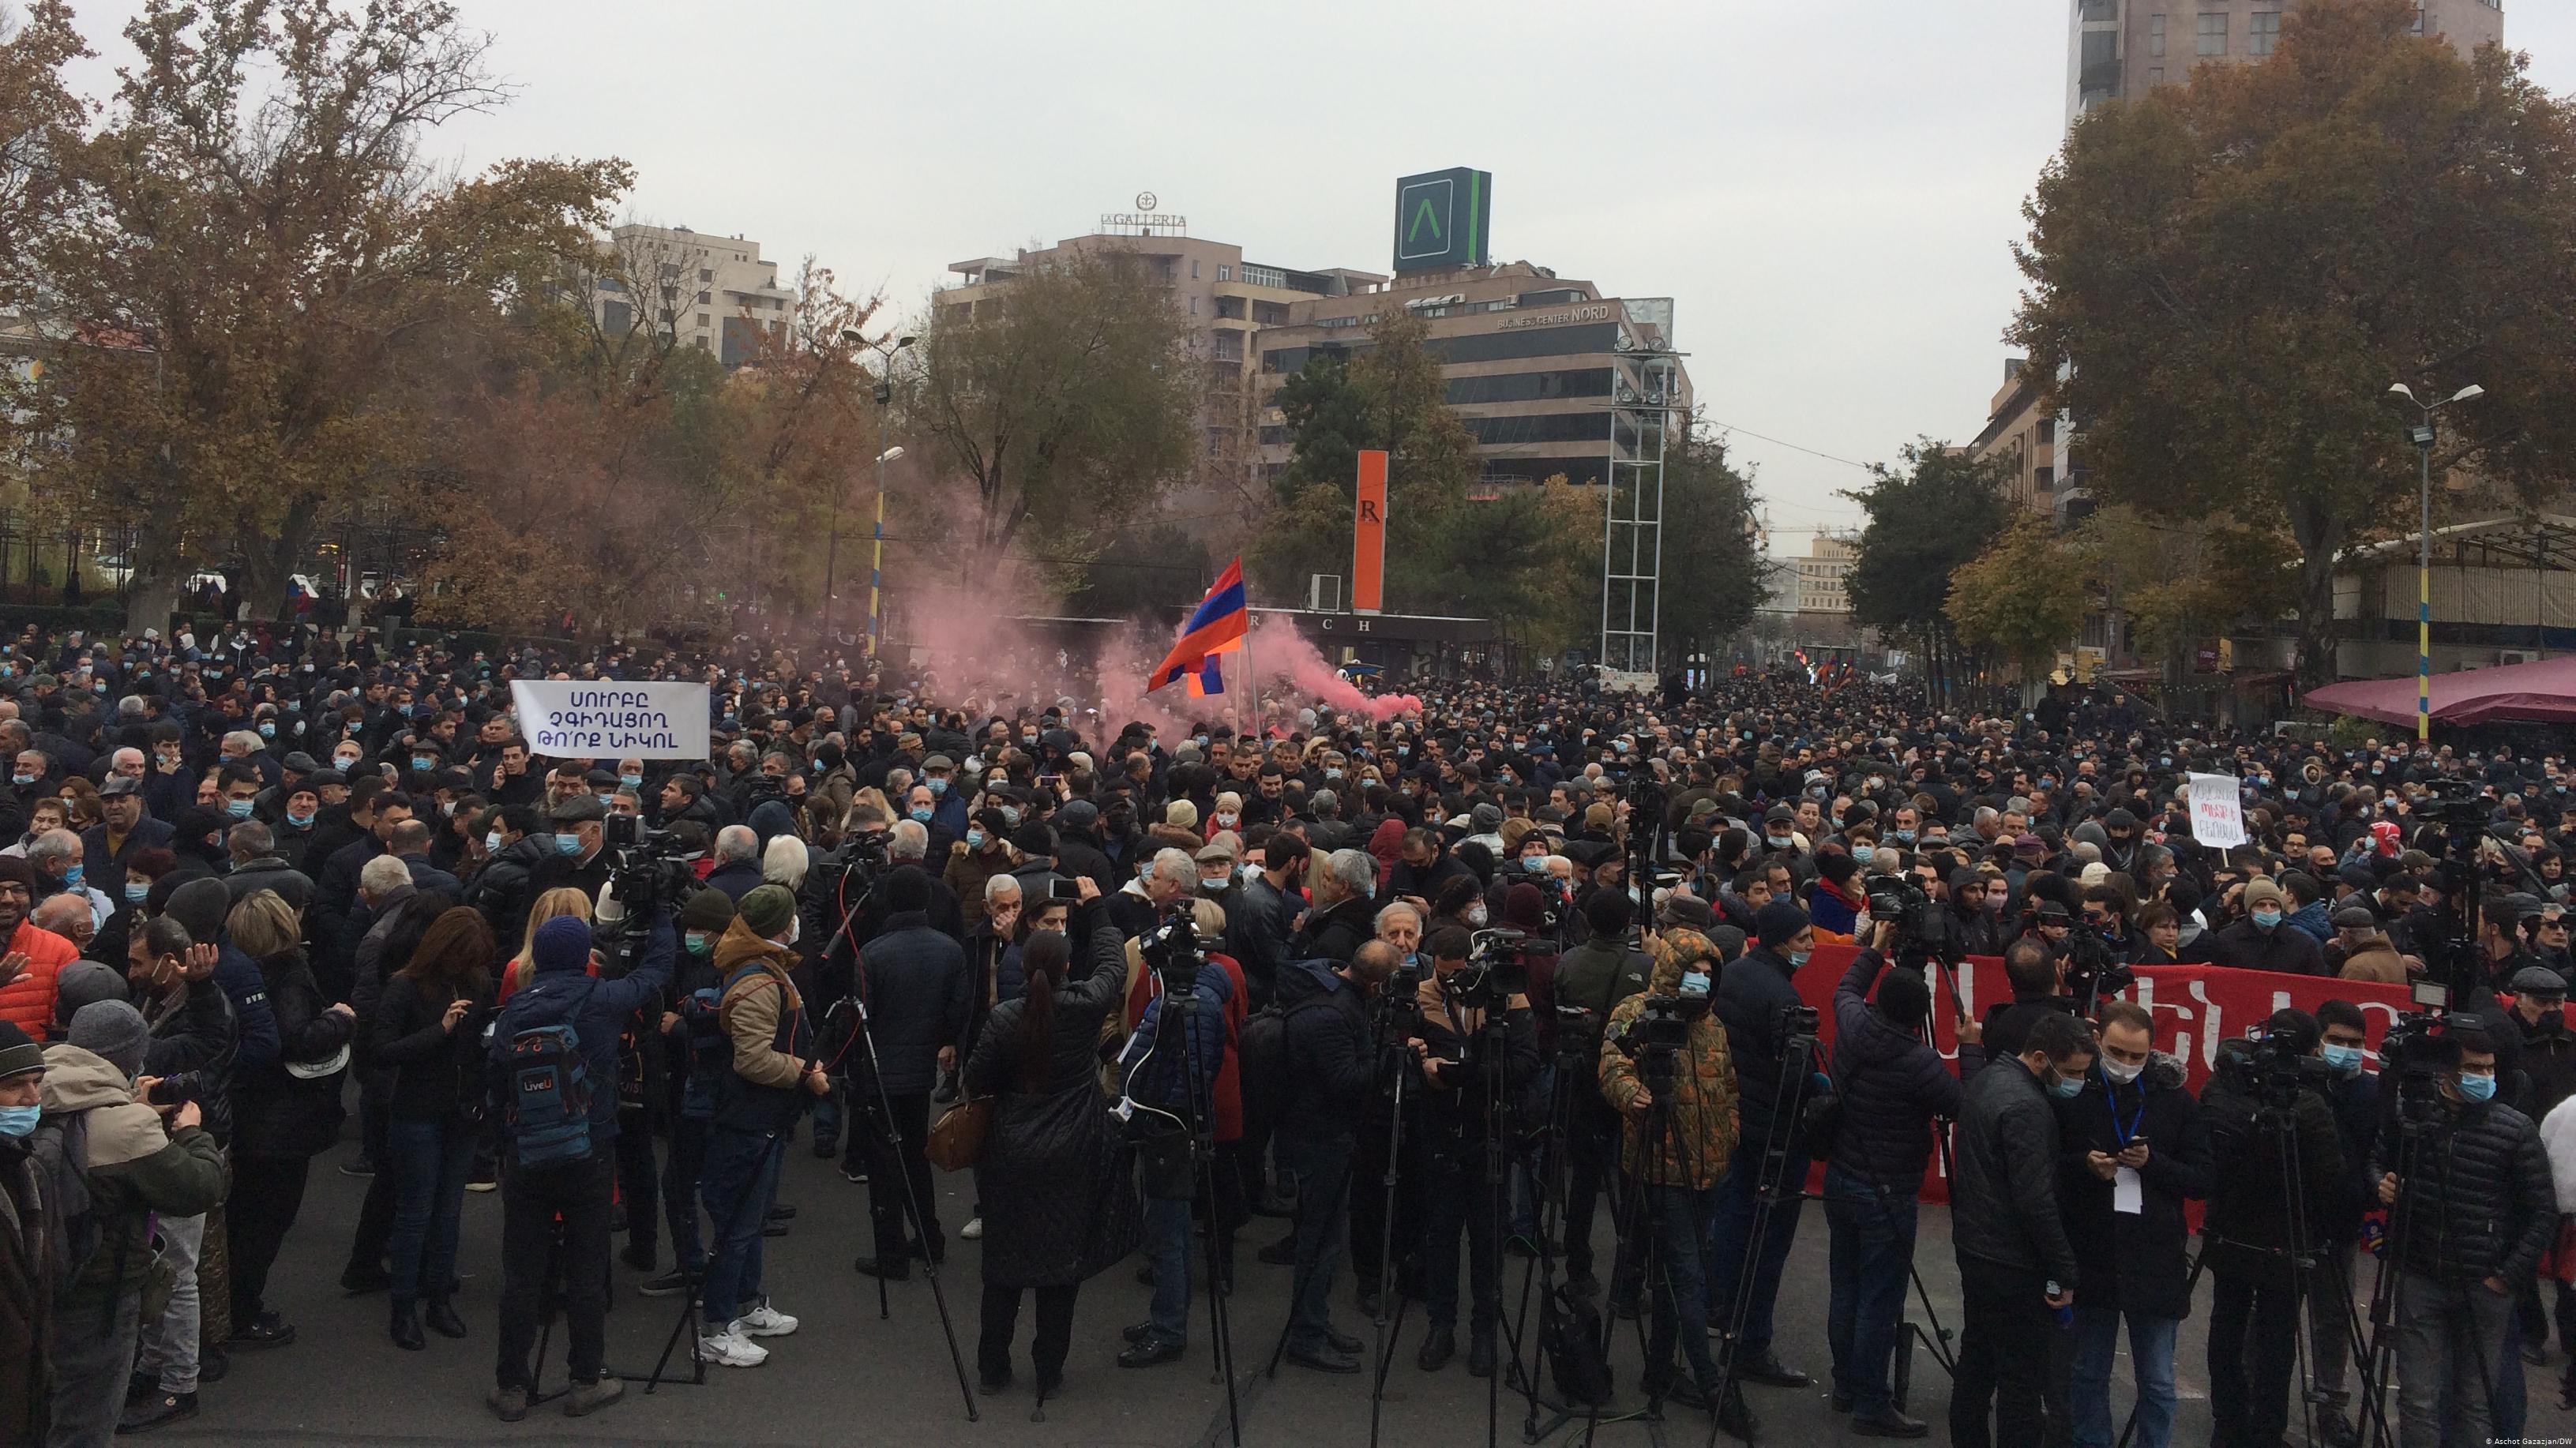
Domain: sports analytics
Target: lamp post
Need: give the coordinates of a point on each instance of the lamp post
(2421, 434)
(876, 554)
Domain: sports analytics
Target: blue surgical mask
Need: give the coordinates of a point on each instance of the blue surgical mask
(136, 890)
(1902, 837)
(424, 763)
(238, 808)
(922, 813)
(974, 839)
(1694, 986)
(1798, 959)
(267, 730)
(699, 944)
(938, 787)
(1332, 774)
(18, 1121)
(299, 820)
(2266, 919)
(2346, 1059)
(1535, 864)
(2477, 1088)
(491, 842)
(631, 781)
(2067, 1088)
(23, 777)
(567, 844)
(72, 877)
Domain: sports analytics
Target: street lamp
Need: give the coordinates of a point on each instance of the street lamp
(2421, 434)
(884, 392)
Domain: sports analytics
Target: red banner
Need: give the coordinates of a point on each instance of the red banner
(2194, 1006)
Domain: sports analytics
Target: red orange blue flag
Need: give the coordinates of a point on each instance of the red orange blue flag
(1216, 626)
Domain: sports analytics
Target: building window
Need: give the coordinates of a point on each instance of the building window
(706, 274)
(2418, 26)
(702, 298)
(2155, 75)
(2155, 37)
(1194, 306)
(2212, 34)
(1194, 268)
(1224, 273)
(2262, 32)
(702, 321)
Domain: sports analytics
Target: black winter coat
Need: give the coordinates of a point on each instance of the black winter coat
(500, 889)
(437, 1073)
(2247, 1212)
(1041, 1176)
(1891, 1084)
(275, 1113)
(2479, 1202)
(917, 989)
(1336, 934)
(2133, 1261)
(1330, 1057)
(2003, 1195)
(1751, 991)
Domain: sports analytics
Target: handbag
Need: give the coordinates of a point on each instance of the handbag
(957, 1141)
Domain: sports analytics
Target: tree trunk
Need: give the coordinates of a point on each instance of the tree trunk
(158, 568)
(2318, 538)
(267, 562)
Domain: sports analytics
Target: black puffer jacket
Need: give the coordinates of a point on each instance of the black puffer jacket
(1751, 991)
(918, 991)
(276, 1113)
(2003, 1195)
(1891, 1085)
(1331, 1061)
(2134, 1261)
(2478, 1203)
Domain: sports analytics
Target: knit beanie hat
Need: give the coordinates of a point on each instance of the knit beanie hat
(1779, 920)
(767, 909)
(562, 943)
(19, 1053)
(707, 910)
(82, 982)
(113, 1031)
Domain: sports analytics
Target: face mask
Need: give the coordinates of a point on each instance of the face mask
(1225, 821)
(1534, 864)
(2345, 1059)
(1902, 837)
(1798, 958)
(567, 844)
(922, 813)
(17, 1121)
(699, 944)
(1216, 886)
(2266, 919)
(1332, 774)
(72, 877)
(1200, 740)
(492, 842)
(974, 839)
(23, 777)
(344, 762)
(1247, 870)
(1694, 986)
(136, 890)
(1030, 740)
(2120, 1073)
(238, 808)
(938, 787)
(267, 730)
(1477, 916)
(2066, 1088)
(423, 763)
(631, 781)
(1781, 842)
(2478, 1088)
(299, 821)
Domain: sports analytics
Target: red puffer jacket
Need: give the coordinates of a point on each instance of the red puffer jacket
(27, 1002)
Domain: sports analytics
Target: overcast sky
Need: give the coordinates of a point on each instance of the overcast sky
(1827, 190)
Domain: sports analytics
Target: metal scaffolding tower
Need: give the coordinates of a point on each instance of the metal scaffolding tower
(1645, 393)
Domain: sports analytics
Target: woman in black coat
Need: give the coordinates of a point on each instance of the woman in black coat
(427, 1028)
(285, 1112)
(1042, 1178)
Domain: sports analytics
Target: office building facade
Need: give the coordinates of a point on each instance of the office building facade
(713, 293)
(2126, 48)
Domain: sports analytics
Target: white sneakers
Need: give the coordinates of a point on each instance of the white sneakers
(730, 1349)
(973, 1231)
(763, 1321)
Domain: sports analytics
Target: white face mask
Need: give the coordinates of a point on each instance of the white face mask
(2122, 1075)
(1476, 916)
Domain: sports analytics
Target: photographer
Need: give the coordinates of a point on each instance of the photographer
(1893, 1085)
(2355, 1097)
(2010, 1235)
(549, 1190)
(1593, 977)
(1680, 1167)
(1332, 1059)
(1171, 1070)
(1751, 995)
(2253, 1323)
(2132, 1151)
(913, 980)
(2469, 1223)
(1456, 1122)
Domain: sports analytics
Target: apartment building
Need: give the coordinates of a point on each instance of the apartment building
(2125, 48)
(2022, 428)
(714, 293)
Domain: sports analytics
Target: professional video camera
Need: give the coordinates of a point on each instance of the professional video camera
(1654, 1040)
(1497, 969)
(1172, 950)
(1919, 923)
(650, 878)
(2270, 1071)
(2411, 1051)
(2090, 971)
(2455, 805)
(857, 864)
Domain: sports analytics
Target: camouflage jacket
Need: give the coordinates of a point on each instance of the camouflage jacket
(1701, 1138)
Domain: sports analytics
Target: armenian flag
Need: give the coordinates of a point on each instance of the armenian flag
(1216, 626)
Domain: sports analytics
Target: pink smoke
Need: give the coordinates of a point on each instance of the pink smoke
(1282, 653)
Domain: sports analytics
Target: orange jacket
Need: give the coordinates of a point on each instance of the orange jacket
(28, 1001)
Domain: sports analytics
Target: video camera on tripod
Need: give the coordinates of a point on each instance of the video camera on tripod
(862, 855)
(1654, 1040)
(649, 882)
(1172, 950)
(2412, 1052)
(2091, 973)
(1497, 969)
(1920, 924)
(2271, 1072)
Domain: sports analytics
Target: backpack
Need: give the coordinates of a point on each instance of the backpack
(545, 1086)
(1261, 1062)
(1569, 1333)
(59, 1149)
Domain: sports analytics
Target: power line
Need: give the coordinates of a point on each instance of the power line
(1791, 446)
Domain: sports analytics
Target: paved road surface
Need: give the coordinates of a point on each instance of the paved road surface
(849, 1378)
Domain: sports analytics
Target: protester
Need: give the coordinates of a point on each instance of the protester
(428, 1027)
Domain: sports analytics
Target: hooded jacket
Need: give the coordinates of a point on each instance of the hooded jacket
(131, 1165)
(1891, 1083)
(1699, 1143)
(763, 1019)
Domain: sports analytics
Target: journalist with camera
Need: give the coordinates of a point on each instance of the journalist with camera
(2132, 1152)
(2268, 1115)
(1665, 1073)
(2354, 1095)
(1331, 1053)
(1170, 1071)
(1892, 1086)
(1591, 981)
(2471, 1213)
(1754, 995)
(1473, 1005)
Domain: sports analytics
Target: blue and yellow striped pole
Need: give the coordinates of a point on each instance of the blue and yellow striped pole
(2424, 602)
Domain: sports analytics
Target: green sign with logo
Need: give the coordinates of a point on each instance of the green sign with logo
(1442, 219)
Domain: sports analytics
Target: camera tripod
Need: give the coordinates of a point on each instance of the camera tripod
(1657, 1069)
(1197, 1130)
(2414, 1125)
(1575, 1069)
(1388, 1320)
(1783, 1151)
(891, 1137)
(773, 1145)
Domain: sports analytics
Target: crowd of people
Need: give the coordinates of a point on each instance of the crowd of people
(1531, 954)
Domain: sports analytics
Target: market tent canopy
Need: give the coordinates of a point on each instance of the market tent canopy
(2539, 693)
